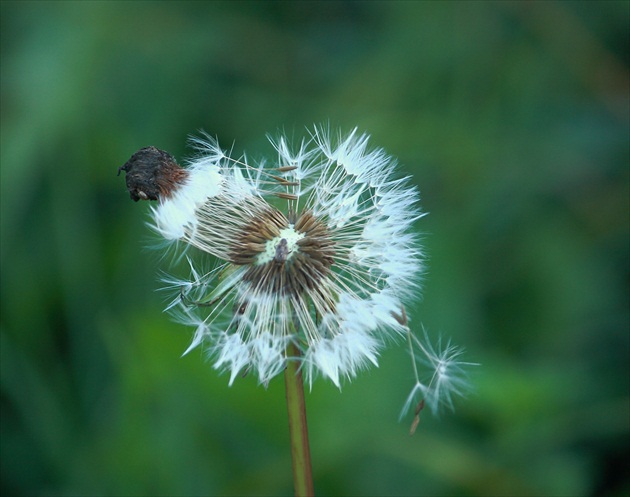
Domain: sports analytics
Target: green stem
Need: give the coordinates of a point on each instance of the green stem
(300, 450)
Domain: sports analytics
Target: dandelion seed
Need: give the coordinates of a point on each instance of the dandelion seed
(446, 375)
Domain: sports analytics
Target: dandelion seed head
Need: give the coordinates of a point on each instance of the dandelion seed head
(314, 248)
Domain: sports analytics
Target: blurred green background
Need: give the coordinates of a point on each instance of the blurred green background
(511, 117)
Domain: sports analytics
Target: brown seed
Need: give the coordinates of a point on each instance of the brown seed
(416, 418)
(285, 169)
(402, 318)
(286, 196)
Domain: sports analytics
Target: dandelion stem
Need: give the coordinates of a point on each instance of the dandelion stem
(300, 450)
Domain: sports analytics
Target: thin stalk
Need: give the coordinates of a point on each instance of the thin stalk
(300, 450)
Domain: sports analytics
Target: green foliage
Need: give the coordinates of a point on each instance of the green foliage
(511, 117)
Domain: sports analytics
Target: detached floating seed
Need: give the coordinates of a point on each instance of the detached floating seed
(152, 174)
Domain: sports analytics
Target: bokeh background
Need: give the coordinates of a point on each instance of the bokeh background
(512, 117)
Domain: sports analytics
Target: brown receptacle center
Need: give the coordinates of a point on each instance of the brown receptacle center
(297, 262)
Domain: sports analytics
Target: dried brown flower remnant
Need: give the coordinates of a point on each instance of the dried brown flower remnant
(152, 174)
